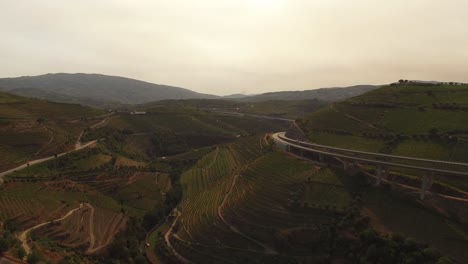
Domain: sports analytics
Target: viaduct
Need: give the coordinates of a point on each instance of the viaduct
(382, 164)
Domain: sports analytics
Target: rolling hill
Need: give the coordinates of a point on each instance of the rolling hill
(94, 89)
(105, 91)
(275, 108)
(247, 203)
(32, 128)
(410, 119)
(324, 94)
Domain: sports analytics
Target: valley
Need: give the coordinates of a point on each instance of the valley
(233, 132)
(212, 181)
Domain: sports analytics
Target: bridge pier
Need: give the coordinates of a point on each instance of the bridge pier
(379, 175)
(426, 184)
(349, 167)
(321, 158)
(382, 172)
(345, 165)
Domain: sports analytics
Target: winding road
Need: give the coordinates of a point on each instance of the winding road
(372, 158)
(23, 236)
(168, 240)
(268, 250)
(78, 146)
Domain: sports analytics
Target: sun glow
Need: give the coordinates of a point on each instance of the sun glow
(266, 4)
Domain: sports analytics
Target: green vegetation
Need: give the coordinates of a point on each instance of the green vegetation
(221, 190)
(17, 107)
(94, 89)
(405, 119)
(400, 215)
(274, 108)
(324, 189)
(242, 200)
(32, 129)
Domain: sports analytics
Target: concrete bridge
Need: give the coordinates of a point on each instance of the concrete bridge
(381, 163)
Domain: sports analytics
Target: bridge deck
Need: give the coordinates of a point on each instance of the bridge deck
(373, 159)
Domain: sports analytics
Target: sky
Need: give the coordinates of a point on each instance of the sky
(238, 46)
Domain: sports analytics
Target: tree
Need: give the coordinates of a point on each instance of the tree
(140, 260)
(20, 253)
(3, 245)
(40, 120)
(434, 131)
(34, 257)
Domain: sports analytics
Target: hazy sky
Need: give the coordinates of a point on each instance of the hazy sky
(238, 46)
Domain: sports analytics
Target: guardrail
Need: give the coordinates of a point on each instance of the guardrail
(347, 156)
(312, 147)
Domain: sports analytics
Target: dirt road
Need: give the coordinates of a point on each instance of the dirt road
(78, 146)
(23, 236)
(168, 241)
(268, 250)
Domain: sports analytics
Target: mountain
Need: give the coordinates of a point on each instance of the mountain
(104, 91)
(94, 89)
(235, 96)
(324, 94)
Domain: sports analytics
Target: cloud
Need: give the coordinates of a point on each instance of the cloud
(229, 46)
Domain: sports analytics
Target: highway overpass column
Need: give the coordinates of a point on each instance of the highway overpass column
(382, 172)
(426, 184)
(379, 175)
(345, 165)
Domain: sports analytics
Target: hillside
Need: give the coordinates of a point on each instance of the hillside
(128, 181)
(247, 203)
(425, 120)
(277, 108)
(323, 94)
(206, 187)
(105, 91)
(94, 89)
(32, 128)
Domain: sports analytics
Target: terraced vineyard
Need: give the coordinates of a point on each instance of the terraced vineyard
(31, 203)
(201, 123)
(87, 229)
(32, 129)
(427, 121)
(238, 200)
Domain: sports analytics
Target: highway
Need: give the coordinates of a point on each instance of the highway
(370, 158)
(376, 155)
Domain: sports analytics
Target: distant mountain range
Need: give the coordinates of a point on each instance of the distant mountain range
(324, 94)
(109, 91)
(94, 89)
